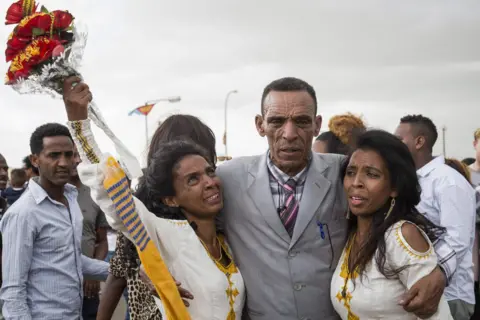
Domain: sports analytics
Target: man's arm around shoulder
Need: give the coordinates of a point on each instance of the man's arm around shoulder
(331, 158)
(235, 166)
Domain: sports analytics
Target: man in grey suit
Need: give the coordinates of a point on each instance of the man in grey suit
(284, 214)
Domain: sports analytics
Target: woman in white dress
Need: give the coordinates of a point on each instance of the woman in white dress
(388, 247)
(185, 196)
(125, 271)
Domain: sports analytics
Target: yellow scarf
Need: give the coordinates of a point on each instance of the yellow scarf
(119, 192)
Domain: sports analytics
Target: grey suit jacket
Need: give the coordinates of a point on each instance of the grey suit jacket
(286, 278)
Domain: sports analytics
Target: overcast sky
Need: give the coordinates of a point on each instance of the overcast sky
(381, 59)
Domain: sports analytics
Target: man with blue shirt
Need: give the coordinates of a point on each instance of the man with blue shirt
(43, 267)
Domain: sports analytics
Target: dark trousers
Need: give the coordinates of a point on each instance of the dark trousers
(476, 314)
(90, 308)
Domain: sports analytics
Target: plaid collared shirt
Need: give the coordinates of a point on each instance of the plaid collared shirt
(278, 178)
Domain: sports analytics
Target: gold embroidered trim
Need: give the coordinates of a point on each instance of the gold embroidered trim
(232, 292)
(406, 247)
(28, 6)
(343, 294)
(179, 222)
(89, 152)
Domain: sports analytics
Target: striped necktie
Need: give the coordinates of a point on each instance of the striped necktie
(290, 209)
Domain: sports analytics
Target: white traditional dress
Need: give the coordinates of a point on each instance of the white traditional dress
(219, 291)
(376, 297)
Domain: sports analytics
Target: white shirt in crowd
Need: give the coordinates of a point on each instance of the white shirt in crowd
(112, 240)
(448, 200)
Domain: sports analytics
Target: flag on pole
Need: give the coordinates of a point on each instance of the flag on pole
(143, 110)
(225, 139)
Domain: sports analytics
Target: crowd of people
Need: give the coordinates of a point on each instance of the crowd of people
(357, 223)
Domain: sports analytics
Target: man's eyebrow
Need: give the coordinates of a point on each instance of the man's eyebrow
(276, 117)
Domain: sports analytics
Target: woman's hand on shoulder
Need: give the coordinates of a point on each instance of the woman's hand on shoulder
(76, 96)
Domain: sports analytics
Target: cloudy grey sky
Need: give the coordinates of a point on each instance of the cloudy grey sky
(381, 59)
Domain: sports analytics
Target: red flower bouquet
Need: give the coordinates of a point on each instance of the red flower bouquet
(44, 49)
(38, 38)
(34, 54)
(19, 10)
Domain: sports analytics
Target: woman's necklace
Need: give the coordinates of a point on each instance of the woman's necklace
(211, 255)
(347, 265)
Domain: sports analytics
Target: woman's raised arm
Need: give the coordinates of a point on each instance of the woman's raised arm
(111, 191)
(76, 96)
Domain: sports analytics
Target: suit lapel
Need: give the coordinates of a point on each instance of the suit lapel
(314, 192)
(259, 191)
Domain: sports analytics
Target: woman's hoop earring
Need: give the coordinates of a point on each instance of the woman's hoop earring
(392, 204)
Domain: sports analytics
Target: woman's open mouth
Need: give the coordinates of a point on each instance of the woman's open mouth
(213, 199)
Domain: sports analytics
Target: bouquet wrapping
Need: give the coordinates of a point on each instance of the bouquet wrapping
(43, 50)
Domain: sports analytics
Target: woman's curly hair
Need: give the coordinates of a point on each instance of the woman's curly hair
(344, 125)
(343, 130)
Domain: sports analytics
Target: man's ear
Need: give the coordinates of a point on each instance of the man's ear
(420, 142)
(318, 125)
(34, 160)
(259, 125)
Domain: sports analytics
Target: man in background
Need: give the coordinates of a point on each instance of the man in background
(29, 168)
(448, 200)
(476, 314)
(94, 239)
(18, 177)
(475, 167)
(43, 267)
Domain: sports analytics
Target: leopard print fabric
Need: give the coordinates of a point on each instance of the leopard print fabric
(125, 264)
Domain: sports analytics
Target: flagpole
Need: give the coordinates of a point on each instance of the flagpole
(225, 121)
(146, 129)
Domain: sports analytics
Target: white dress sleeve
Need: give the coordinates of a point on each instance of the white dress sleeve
(163, 232)
(415, 265)
(401, 255)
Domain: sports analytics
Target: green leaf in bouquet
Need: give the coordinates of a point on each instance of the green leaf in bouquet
(37, 32)
(44, 10)
(72, 25)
